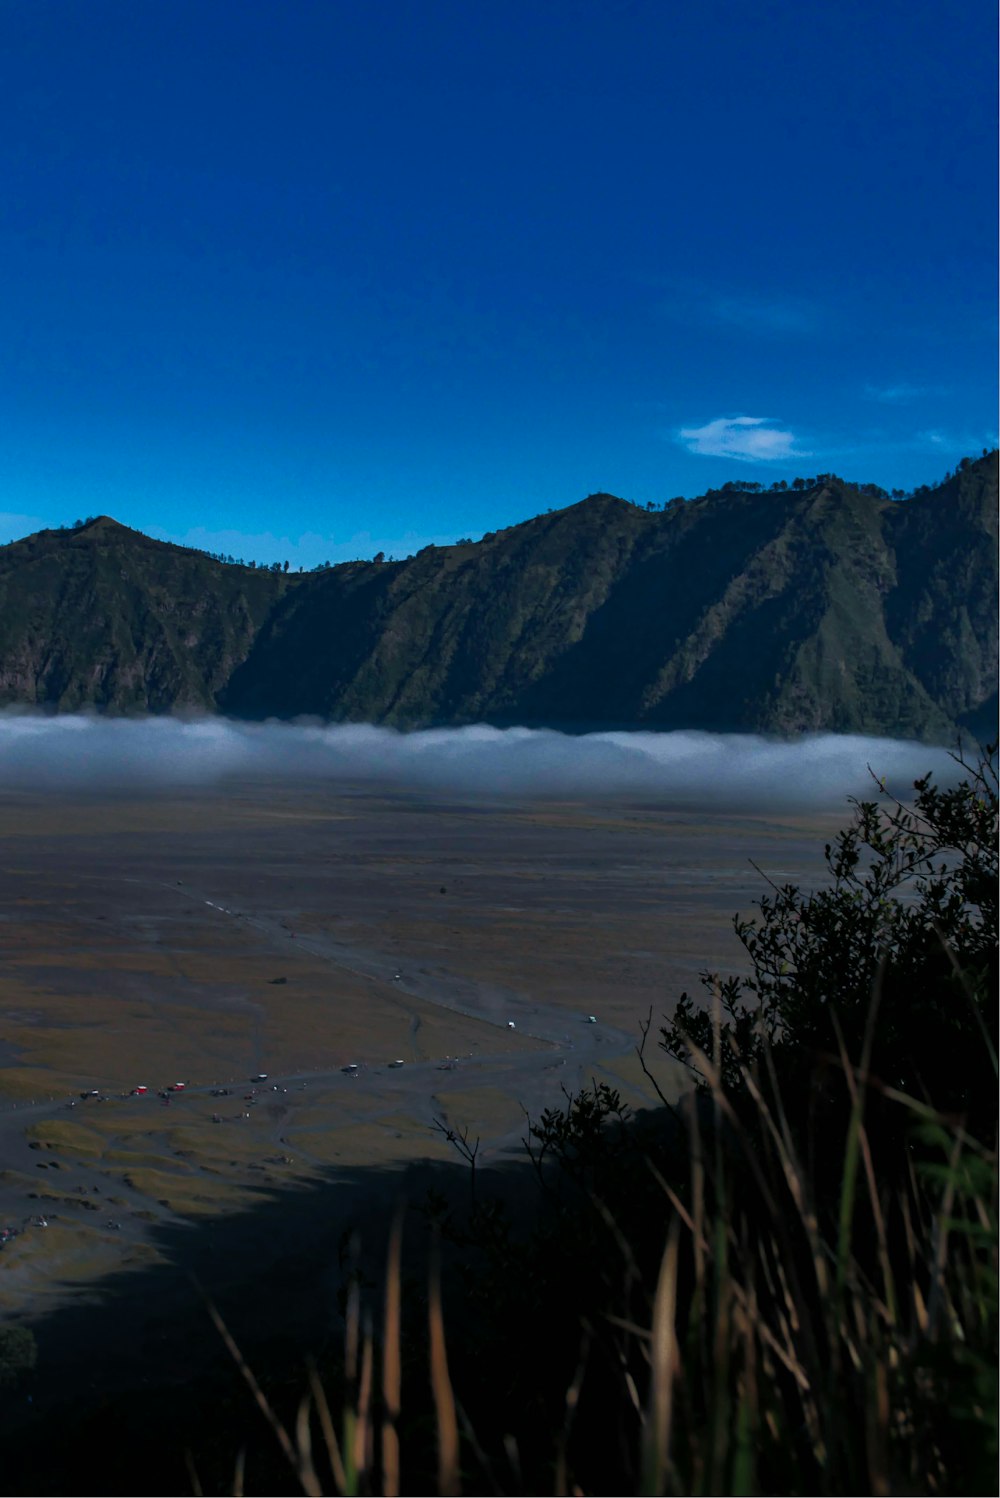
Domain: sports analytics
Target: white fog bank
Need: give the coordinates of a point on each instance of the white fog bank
(733, 771)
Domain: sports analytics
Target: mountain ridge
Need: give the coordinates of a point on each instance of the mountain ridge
(829, 607)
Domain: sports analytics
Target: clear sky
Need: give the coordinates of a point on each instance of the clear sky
(315, 278)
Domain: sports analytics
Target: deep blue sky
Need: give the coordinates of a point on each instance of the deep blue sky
(307, 280)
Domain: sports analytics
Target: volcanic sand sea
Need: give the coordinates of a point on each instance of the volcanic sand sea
(206, 938)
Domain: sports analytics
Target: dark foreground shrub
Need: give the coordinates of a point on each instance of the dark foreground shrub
(896, 957)
(18, 1355)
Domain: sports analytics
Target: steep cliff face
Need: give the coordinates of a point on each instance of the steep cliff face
(830, 608)
(454, 634)
(942, 616)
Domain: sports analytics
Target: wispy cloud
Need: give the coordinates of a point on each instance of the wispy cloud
(899, 395)
(777, 316)
(961, 444)
(751, 439)
(741, 771)
(760, 313)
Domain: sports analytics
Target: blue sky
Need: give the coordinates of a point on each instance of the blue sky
(311, 280)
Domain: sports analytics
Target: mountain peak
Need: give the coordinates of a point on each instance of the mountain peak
(103, 525)
(603, 500)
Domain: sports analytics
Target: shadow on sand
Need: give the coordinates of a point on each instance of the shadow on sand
(133, 1383)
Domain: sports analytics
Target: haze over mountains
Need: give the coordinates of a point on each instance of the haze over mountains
(828, 608)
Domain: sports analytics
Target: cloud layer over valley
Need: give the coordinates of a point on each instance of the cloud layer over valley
(735, 771)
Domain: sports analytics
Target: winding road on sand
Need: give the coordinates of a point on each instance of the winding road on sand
(572, 1046)
(116, 1353)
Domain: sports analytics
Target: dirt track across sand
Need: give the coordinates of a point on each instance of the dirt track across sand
(210, 938)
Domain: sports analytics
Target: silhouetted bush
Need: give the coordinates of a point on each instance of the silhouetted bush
(18, 1355)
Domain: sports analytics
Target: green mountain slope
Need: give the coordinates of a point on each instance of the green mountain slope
(943, 615)
(827, 608)
(106, 616)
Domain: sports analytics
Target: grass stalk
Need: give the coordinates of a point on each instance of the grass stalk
(306, 1477)
(664, 1361)
(328, 1432)
(441, 1387)
(391, 1360)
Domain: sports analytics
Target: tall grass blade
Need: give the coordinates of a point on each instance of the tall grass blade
(852, 1147)
(307, 1480)
(391, 1361)
(878, 1216)
(878, 1432)
(362, 1428)
(513, 1456)
(657, 1427)
(352, 1345)
(192, 1471)
(444, 1397)
(572, 1400)
(303, 1443)
(328, 1432)
(744, 1475)
(937, 1290)
(239, 1472)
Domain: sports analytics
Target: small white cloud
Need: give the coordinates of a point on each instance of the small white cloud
(751, 439)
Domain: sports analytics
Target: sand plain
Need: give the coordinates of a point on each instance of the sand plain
(206, 938)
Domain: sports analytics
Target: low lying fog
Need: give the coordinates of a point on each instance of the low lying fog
(739, 771)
